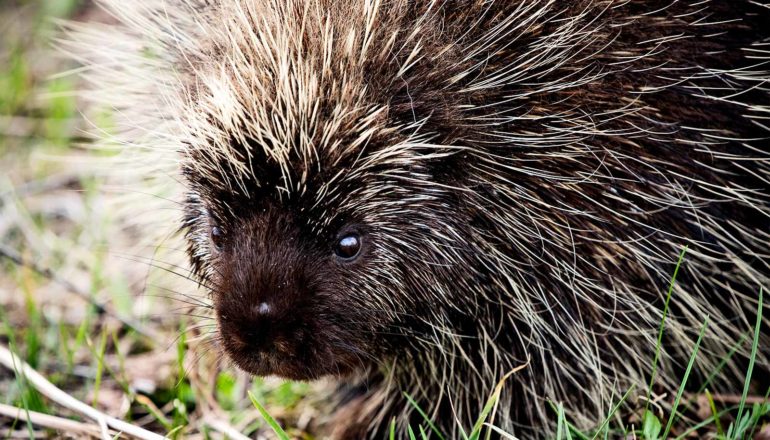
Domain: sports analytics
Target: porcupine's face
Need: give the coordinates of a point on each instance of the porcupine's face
(321, 280)
(313, 215)
(282, 287)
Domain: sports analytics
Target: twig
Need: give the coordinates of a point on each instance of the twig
(14, 256)
(224, 428)
(46, 388)
(731, 398)
(25, 434)
(48, 421)
(51, 183)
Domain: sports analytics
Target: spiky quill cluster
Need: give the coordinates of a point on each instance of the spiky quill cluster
(524, 174)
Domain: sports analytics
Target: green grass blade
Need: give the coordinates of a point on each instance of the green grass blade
(759, 416)
(714, 412)
(503, 435)
(174, 432)
(563, 426)
(734, 349)
(612, 412)
(570, 430)
(662, 326)
(688, 433)
(560, 422)
(684, 379)
(20, 377)
(752, 359)
(411, 433)
(605, 424)
(425, 417)
(100, 350)
(491, 402)
(269, 419)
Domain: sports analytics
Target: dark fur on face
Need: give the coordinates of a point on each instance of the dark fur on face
(520, 177)
(281, 301)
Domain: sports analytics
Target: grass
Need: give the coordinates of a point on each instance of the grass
(282, 435)
(51, 212)
(738, 429)
(662, 326)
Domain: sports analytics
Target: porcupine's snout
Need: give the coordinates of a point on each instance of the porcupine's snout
(262, 296)
(259, 331)
(274, 302)
(266, 323)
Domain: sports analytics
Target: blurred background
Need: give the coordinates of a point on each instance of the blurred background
(110, 322)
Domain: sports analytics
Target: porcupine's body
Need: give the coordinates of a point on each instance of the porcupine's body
(503, 183)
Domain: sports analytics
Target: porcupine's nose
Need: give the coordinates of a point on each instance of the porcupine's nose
(263, 308)
(267, 325)
(258, 333)
(253, 329)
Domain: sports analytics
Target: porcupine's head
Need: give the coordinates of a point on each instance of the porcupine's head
(315, 212)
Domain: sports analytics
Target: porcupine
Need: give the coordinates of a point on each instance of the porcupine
(416, 197)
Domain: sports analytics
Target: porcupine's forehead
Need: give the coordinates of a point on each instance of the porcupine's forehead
(273, 110)
(297, 103)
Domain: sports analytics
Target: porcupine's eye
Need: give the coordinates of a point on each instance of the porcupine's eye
(217, 237)
(348, 247)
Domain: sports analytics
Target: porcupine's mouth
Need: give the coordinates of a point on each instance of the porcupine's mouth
(301, 357)
(288, 367)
